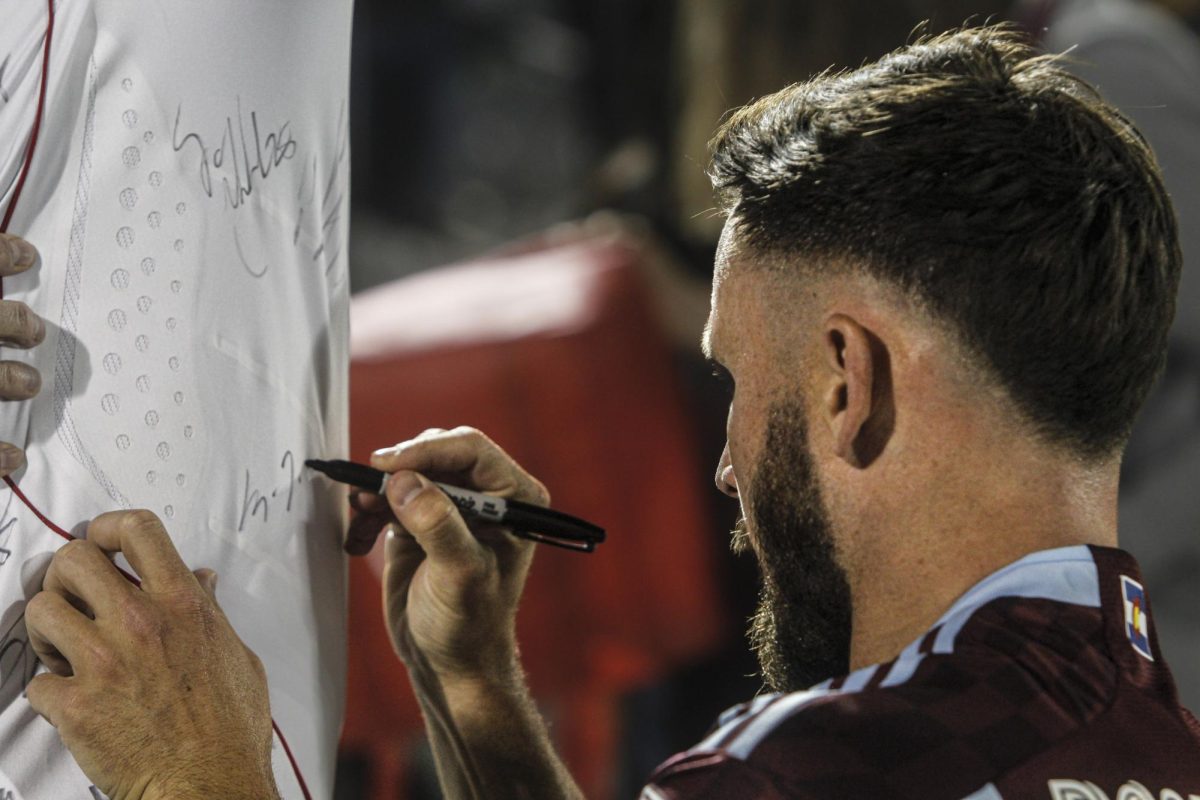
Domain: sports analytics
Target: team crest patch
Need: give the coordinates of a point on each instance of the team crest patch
(1137, 623)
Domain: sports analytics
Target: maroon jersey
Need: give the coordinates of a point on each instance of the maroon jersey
(1045, 680)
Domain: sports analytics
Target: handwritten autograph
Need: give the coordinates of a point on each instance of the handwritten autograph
(240, 163)
(5, 534)
(17, 659)
(254, 501)
(4, 66)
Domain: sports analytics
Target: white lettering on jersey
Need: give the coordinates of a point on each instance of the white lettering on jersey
(1062, 789)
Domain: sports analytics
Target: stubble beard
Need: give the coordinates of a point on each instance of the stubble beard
(801, 629)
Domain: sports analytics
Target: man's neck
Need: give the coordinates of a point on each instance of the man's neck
(950, 543)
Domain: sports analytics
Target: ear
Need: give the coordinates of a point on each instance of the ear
(857, 400)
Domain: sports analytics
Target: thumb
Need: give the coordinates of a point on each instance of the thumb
(48, 694)
(208, 581)
(433, 520)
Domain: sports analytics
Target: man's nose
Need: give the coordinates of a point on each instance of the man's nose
(725, 479)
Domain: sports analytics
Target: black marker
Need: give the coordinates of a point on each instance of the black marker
(526, 521)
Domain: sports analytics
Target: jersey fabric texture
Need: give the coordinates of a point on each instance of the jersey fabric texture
(1043, 681)
(188, 195)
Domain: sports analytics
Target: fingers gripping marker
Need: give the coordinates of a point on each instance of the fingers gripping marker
(476, 504)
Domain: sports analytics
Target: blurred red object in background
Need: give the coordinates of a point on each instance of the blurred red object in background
(556, 354)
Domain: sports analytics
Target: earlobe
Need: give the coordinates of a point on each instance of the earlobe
(858, 405)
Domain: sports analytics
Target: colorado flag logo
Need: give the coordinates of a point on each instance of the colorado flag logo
(1137, 624)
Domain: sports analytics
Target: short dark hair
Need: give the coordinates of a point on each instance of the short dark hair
(998, 190)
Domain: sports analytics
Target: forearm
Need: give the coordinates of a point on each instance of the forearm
(499, 734)
(451, 596)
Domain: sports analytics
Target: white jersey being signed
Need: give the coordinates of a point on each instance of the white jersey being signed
(188, 195)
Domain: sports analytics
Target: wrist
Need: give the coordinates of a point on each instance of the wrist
(225, 786)
(480, 699)
(465, 690)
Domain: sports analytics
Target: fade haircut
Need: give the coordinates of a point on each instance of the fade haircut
(999, 191)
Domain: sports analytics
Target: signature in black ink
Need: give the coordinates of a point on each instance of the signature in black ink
(254, 501)
(4, 92)
(240, 163)
(7, 524)
(6, 532)
(17, 659)
(254, 273)
(330, 203)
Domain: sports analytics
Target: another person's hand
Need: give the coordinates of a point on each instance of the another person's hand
(149, 687)
(19, 327)
(453, 590)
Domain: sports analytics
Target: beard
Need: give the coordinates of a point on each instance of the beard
(801, 629)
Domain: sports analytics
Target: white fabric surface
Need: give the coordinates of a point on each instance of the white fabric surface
(189, 199)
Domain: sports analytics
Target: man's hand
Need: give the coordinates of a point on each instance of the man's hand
(455, 590)
(19, 327)
(149, 687)
(451, 598)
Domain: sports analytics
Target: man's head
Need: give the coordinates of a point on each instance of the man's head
(959, 247)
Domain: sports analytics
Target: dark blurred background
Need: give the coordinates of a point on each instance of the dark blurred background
(479, 121)
(559, 147)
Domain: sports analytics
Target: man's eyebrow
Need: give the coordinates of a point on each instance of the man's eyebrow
(706, 340)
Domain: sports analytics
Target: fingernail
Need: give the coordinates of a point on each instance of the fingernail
(11, 458)
(404, 485)
(212, 581)
(383, 452)
(39, 331)
(24, 253)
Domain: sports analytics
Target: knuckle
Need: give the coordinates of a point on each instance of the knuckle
(103, 660)
(36, 689)
(25, 320)
(37, 608)
(75, 553)
(141, 522)
(139, 620)
(472, 436)
(195, 606)
(19, 324)
(53, 699)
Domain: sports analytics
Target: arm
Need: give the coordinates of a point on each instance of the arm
(156, 697)
(451, 597)
(19, 327)
(149, 687)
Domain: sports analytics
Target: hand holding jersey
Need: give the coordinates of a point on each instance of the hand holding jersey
(19, 327)
(149, 686)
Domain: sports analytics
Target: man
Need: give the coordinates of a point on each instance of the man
(942, 293)
(183, 171)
